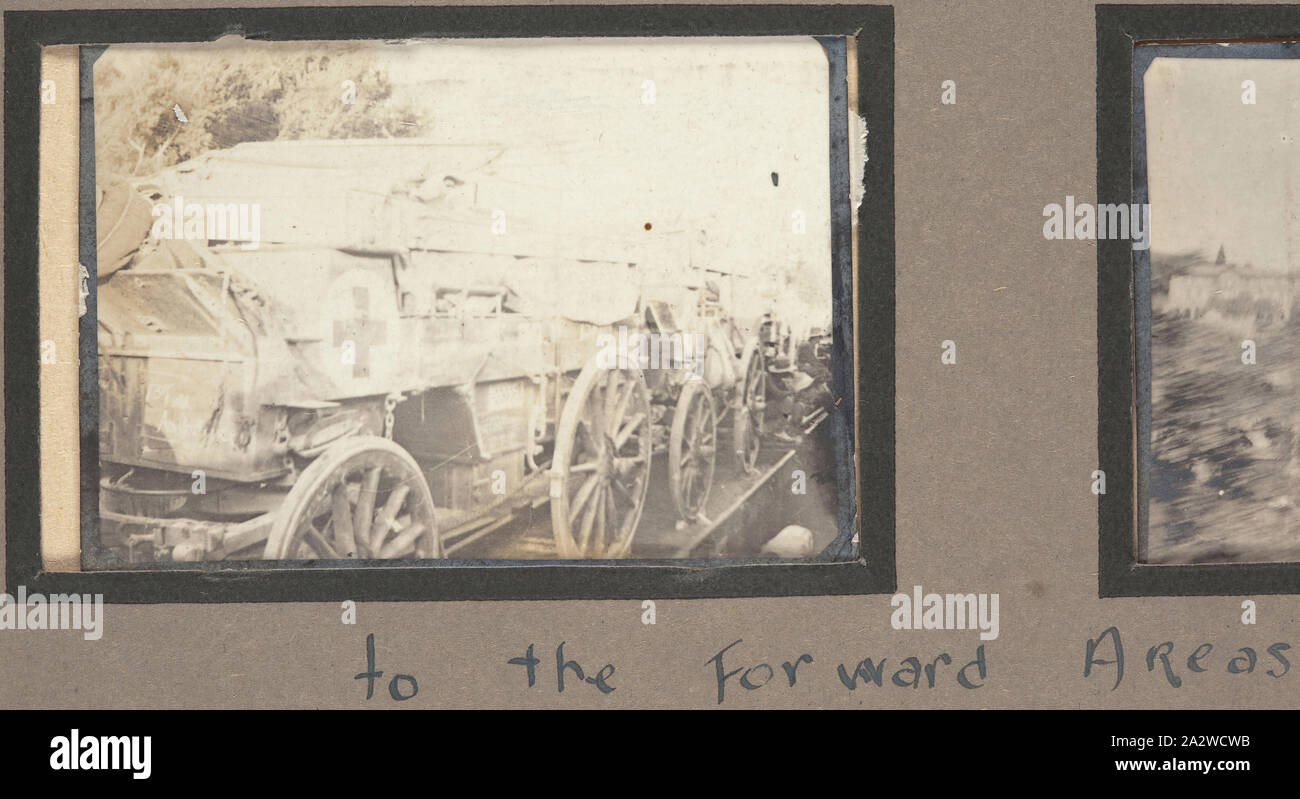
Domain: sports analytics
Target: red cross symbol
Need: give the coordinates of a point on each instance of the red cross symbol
(362, 331)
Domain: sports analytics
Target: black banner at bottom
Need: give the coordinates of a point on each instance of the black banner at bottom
(332, 748)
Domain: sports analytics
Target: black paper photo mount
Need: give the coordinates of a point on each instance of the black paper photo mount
(1136, 472)
(863, 301)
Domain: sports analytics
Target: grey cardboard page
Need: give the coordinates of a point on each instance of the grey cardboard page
(996, 428)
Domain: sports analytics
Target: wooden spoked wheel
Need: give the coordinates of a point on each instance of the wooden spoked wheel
(364, 497)
(747, 425)
(692, 449)
(601, 468)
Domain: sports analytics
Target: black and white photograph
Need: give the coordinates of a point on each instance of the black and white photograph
(475, 300)
(1219, 340)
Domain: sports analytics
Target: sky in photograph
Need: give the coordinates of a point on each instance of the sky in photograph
(1222, 172)
(583, 150)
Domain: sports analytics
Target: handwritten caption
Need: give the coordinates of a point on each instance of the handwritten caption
(727, 670)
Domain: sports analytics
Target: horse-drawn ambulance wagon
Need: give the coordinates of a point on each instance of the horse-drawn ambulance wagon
(335, 350)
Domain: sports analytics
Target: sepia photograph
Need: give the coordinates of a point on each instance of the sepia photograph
(474, 300)
(1219, 380)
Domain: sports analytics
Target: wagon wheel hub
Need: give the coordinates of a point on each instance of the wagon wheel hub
(607, 462)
